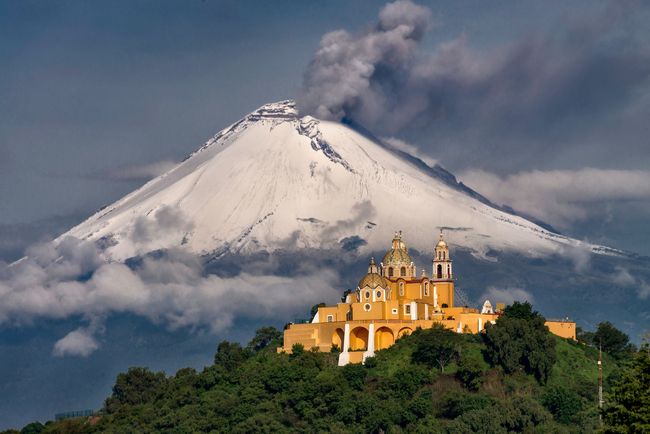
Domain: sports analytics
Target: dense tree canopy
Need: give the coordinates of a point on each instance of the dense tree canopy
(520, 340)
(430, 381)
(629, 408)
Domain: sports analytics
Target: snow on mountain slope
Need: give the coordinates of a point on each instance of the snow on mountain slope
(275, 180)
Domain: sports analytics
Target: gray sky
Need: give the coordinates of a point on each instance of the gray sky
(95, 93)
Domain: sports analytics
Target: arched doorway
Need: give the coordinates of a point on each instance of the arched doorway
(404, 331)
(359, 339)
(337, 338)
(383, 338)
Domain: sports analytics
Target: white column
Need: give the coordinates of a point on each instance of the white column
(435, 296)
(344, 357)
(480, 323)
(414, 311)
(370, 351)
(460, 327)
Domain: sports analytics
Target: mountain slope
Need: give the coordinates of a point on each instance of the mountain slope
(275, 180)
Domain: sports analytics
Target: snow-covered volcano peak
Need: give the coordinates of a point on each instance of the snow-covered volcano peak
(274, 180)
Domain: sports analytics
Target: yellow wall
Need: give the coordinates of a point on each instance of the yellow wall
(564, 329)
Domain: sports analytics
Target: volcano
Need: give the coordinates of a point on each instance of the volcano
(275, 180)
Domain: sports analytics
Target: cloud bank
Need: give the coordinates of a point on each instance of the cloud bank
(75, 279)
(560, 197)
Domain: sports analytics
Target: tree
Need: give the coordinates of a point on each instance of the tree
(136, 386)
(470, 371)
(629, 408)
(563, 403)
(436, 346)
(612, 340)
(314, 309)
(265, 337)
(229, 355)
(33, 428)
(521, 340)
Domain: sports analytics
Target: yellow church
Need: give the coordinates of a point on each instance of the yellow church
(390, 301)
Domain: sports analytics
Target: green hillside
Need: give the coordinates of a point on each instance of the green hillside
(431, 381)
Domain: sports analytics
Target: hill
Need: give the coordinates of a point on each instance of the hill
(255, 389)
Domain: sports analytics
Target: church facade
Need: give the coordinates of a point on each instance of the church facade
(392, 300)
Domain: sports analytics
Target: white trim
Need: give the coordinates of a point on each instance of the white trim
(414, 311)
(370, 350)
(344, 357)
(330, 318)
(480, 324)
(315, 320)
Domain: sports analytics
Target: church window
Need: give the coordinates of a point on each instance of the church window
(394, 311)
(390, 271)
(330, 318)
(445, 305)
(367, 307)
(407, 309)
(448, 270)
(439, 273)
(367, 295)
(426, 288)
(378, 294)
(402, 271)
(401, 288)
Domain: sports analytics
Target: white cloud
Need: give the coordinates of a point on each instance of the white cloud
(76, 343)
(171, 289)
(560, 197)
(506, 295)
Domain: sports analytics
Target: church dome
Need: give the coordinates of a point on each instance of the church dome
(398, 254)
(373, 280)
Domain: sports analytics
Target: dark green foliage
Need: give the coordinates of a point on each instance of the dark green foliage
(520, 340)
(563, 403)
(612, 340)
(136, 386)
(629, 406)
(296, 350)
(33, 428)
(355, 375)
(265, 338)
(436, 347)
(521, 311)
(229, 355)
(254, 389)
(470, 372)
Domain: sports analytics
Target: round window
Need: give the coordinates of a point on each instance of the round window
(366, 307)
(378, 294)
(367, 294)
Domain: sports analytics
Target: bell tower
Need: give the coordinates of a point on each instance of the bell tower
(442, 276)
(442, 267)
